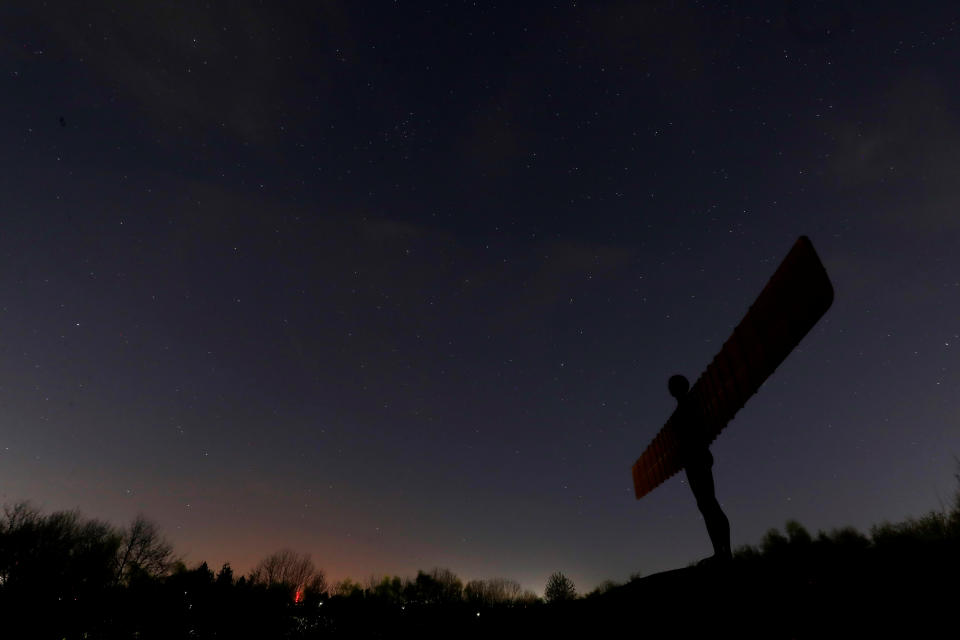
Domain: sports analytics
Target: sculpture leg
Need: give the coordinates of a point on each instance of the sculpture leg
(718, 526)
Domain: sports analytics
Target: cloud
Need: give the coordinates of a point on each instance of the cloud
(189, 68)
(902, 154)
(551, 274)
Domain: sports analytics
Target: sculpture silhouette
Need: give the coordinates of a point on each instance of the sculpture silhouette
(694, 453)
(791, 303)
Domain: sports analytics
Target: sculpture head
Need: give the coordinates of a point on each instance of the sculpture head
(678, 386)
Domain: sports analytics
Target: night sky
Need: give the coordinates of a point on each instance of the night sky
(401, 284)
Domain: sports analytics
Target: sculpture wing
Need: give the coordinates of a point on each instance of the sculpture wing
(791, 303)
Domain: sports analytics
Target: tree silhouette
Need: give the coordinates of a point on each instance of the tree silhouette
(604, 587)
(143, 551)
(450, 588)
(55, 570)
(559, 588)
(347, 588)
(292, 571)
(389, 589)
(225, 575)
(797, 533)
(493, 591)
(439, 586)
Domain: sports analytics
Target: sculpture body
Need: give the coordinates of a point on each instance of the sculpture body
(795, 298)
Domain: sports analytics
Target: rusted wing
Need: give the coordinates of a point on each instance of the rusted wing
(795, 298)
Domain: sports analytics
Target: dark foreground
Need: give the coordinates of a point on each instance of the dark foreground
(917, 599)
(64, 577)
(915, 593)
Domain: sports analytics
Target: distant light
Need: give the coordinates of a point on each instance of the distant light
(478, 614)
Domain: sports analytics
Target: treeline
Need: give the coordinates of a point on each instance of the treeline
(933, 534)
(66, 576)
(933, 537)
(437, 587)
(898, 579)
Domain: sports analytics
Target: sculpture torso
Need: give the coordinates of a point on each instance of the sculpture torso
(691, 437)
